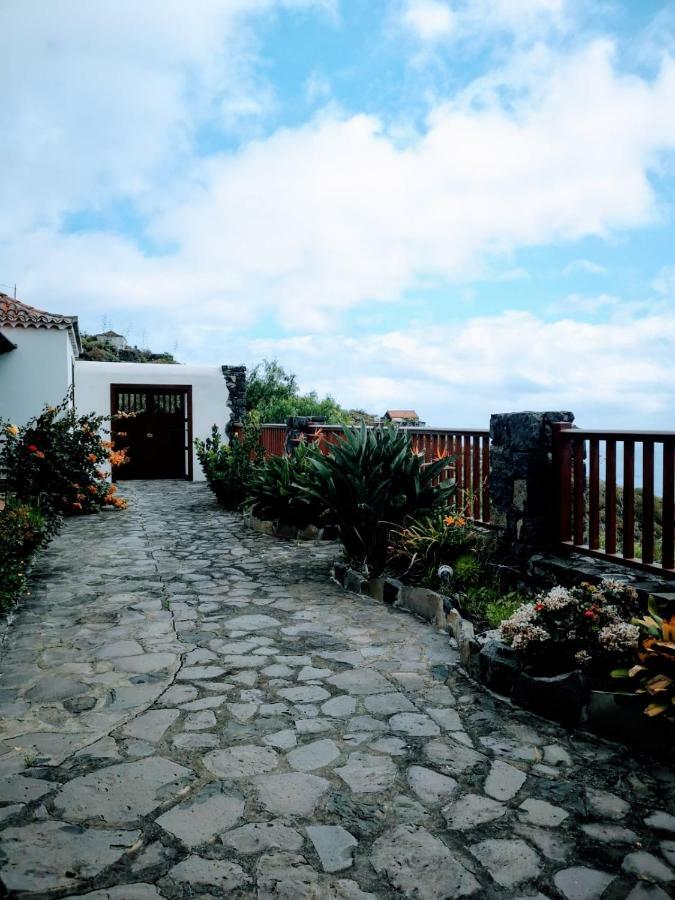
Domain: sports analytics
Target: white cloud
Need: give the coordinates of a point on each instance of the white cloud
(428, 20)
(456, 374)
(579, 303)
(584, 266)
(324, 217)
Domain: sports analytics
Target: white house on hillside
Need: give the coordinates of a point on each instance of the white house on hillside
(171, 404)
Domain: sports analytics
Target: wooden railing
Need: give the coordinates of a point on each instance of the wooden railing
(467, 452)
(616, 494)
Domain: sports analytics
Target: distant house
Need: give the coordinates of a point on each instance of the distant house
(402, 417)
(118, 341)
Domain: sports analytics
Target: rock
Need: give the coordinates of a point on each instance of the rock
(424, 603)
(414, 724)
(554, 755)
(559, 697)
(360, 681)
(148, 662)
(206, 814)
(503, 781)
(137, 891)
(471, 810)
(313, 756)
(365, 723)
(548, 842)
(252, 623)
(508, 861)
(195, 741)
(420, 866)
(339, 707)
(286, 876)
(50, 856)
(391, 590)
(355, 582)
(645, 891)
(499, 665)
(339, 571)
(151, 725)
(661, 821)
(647, 867)
(200, 721)
(283, 740)
(292, 793)
(448, 719)
(23, 789)
(241, 761)
(430, 786)
(334, 846)
(540, 812)
(388, 704)
(312, 673)
(258, 836)
(609, 834)
(200, 673)
(368, 774)
(668, 850)
(196, 871)
(120, 794)
(582, 883)
(606, 805)
(375, 588)
(307, 694)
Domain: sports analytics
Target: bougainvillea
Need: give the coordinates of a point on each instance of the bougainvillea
(54, 462)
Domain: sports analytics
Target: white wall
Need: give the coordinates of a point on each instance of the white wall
(210, 400)
(38, 372)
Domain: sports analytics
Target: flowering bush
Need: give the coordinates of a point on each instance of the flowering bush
(585, 627)
(54, 462)
(420, 547)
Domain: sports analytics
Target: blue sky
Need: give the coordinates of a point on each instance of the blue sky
(464, 207)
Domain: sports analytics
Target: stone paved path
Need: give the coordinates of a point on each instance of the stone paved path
(193, 710)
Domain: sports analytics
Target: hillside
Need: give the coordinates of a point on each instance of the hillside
(96, 350)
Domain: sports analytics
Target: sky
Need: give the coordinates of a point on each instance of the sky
(459, 206)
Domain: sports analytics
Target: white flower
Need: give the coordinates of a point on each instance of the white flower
(557, 598)
(620, 636)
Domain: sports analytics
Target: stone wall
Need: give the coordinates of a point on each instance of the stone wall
(235, 379)
(523, 490)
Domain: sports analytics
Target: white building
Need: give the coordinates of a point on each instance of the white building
(170, 404)
(118, 341)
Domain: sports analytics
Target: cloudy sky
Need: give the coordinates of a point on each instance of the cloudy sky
(464, 206)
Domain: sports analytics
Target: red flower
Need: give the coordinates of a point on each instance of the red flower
(590, 614)
(538, 607)
(32, 448)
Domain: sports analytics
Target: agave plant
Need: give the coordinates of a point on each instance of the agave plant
(372, 481)
(655, 670)
(278, 490)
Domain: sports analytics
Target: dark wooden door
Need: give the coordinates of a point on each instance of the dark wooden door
(155, 429)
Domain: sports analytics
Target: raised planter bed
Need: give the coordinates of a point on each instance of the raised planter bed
(567, 698)
(290, 532)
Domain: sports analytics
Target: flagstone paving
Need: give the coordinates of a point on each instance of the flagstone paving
(190, 709)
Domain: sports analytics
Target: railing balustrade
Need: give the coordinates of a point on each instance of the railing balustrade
(616, 494)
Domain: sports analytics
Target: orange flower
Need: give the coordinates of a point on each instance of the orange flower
(92, 489)
(112, 489)
(39, 454)
(457, 521)
(80, 497)
(76, 505)
(92, 457)
(107, 444)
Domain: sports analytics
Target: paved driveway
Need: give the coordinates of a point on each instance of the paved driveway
(190, 709)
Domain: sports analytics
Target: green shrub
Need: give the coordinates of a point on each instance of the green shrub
(418, 548)
(231, 467)
(279, 488)
(371, 481)
(23, 529)
(53, 462)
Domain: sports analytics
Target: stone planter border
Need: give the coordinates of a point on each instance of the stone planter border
(567, 698)
(289, 532)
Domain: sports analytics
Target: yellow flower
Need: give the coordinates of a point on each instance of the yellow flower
(459, 521)
(13, 430)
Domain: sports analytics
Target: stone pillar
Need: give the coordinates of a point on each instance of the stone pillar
(523, 489)
(235, 379)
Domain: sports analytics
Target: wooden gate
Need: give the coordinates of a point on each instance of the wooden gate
(155, 429)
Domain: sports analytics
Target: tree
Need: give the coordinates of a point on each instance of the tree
(272, 393)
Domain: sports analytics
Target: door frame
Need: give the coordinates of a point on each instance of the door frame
(187, 388)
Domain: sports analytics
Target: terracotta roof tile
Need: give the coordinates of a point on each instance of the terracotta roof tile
(15, 314)
(401, 414)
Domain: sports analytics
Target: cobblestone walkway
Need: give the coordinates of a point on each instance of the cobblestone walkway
(193, 710)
